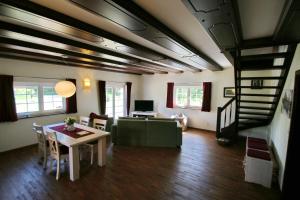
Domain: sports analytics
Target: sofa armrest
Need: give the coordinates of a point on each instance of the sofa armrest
(114, 132)
(179, 135)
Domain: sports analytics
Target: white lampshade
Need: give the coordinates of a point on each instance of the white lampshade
(65, 88)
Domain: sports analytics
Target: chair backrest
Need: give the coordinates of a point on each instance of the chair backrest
(99, 124)
(84, 121)
(38, 129)
(53, 144)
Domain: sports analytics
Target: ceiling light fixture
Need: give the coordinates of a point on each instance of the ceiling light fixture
(65, 88)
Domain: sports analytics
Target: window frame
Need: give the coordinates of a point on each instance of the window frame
(114, 86)
(40, 84)
(188, 86)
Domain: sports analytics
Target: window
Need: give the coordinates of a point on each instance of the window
(37, 98)
(115, 101)
(188, 96)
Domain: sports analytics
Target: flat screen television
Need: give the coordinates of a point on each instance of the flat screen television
(143, 105)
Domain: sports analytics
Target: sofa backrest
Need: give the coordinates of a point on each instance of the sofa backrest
(161, 133)
(131, 132)
(133, 118)
(161, 119)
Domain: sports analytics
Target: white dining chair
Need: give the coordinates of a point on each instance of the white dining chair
(57, 152)
(42, 143)
(84, 120)
(97, 124)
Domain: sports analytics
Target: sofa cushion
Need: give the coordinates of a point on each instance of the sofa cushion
(131, 132)
(161, 119)
(133, 118)
(161, 133)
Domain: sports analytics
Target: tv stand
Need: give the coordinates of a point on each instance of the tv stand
(143, 114)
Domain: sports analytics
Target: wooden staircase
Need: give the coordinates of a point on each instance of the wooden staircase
(256, 105)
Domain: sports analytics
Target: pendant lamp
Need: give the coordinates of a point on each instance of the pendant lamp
(65, 88)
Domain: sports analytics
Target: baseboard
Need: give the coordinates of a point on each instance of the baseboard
(19, 148)
(200, 129)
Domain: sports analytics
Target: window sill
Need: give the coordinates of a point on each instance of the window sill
(188, 108)
(39, 115)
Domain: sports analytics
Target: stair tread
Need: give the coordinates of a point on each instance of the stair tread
(261, 95)
(252, 122)
(259, 68)
(262, 87)
(255, 113)
(261, 77)
(240, 128)
(264, 56)
(253, 117)
(256, 108)
(258, 102)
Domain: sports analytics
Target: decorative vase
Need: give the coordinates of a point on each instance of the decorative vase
(70, 127)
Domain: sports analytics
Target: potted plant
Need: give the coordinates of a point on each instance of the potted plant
(69, 121)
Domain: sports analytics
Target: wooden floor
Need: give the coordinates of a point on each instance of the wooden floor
(200, 170)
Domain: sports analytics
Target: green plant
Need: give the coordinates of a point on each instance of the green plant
(70, 121)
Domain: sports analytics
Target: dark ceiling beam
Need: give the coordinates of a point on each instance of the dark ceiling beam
(287, 29)
(70, 21)
(62, 40)
(31, 59)
(221, 21)
(72, 60)
(147, 18)
(31, 45)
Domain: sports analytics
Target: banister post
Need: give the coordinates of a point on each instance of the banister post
(218, 128)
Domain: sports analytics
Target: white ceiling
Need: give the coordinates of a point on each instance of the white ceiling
(259, 17)
(172, 13)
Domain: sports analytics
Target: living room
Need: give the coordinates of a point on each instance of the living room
(195, 143)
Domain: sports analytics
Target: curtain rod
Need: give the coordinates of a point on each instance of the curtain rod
(194, 83)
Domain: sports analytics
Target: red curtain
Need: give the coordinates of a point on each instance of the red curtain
(71, 102)
(8, 111)
(102, 97)
(170, 91)
(128, 88)
(206, 97)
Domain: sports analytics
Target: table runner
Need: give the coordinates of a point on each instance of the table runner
(73, 134)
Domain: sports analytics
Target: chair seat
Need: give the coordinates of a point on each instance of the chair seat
(63, 149)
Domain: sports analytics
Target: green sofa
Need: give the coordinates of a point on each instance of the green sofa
(144, 132)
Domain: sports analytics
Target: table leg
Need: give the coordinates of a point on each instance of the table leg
(102, 151)
(74, 162)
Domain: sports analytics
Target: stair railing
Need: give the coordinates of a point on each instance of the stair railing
(225, 115)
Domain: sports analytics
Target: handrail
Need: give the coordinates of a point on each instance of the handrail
(228, 103)
(219, 115)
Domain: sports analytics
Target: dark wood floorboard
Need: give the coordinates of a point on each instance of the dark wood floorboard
(201, 170)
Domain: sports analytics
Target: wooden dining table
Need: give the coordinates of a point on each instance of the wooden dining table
(73, 142)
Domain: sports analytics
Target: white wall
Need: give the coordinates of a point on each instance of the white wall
(155, 88)
(17, 134)
(281, 123)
